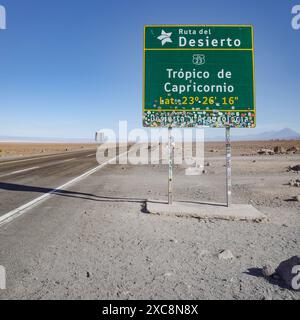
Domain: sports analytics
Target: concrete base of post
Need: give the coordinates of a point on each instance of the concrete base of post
(206, 211)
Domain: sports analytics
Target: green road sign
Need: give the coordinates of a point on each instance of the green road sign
(198, 75)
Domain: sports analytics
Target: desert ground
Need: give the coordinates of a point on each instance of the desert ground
(96, 240)
(14, 149)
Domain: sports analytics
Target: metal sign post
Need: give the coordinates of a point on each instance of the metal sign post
(171, 161)
(228, 167)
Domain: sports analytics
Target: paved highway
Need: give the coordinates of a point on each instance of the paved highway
(23, 180)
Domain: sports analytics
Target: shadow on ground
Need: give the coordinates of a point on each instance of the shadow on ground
(66, 193)
(274, 280)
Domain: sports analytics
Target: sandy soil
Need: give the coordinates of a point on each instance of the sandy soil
(8, 149)
(250, 147)
(99, 243)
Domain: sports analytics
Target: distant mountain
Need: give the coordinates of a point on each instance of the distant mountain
(284, 134)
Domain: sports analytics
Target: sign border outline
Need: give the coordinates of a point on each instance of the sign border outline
(202, 49)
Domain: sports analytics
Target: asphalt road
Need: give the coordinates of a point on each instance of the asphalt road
(22, 180)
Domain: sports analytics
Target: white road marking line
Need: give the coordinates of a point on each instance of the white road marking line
(18, 171)
(8, 217)
(90, 155)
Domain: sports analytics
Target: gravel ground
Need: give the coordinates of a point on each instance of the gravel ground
(99, 243)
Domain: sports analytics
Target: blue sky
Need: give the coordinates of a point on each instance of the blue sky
(68, 68)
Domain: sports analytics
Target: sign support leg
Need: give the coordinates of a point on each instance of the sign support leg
(171, 158)
(228, 167)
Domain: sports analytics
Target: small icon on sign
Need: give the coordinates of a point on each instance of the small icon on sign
(165, 37)
(198, 59)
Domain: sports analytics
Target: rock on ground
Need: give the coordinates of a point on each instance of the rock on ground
(267, 271)
(295, 168)
(279, 149)
(293, 149)
(265, 151)
(294, 183)
(225, 255)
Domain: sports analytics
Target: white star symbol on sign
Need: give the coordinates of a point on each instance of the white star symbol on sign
(165, 37)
